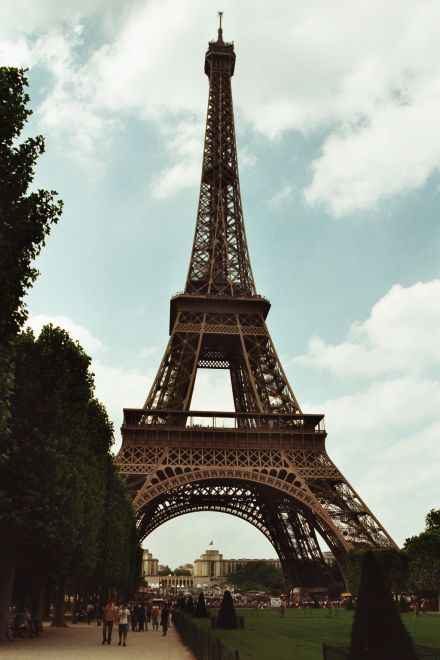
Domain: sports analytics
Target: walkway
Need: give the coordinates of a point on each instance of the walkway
(83, 642)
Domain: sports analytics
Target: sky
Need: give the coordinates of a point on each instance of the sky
(337, 110)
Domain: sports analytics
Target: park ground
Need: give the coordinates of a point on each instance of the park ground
(301, 633)
(83, 642)
(266, 636)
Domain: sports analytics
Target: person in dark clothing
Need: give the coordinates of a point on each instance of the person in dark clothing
(140, 613)
(164, 619)
(134, 619)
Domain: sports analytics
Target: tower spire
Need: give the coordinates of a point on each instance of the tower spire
(220, 263)
(220, 30)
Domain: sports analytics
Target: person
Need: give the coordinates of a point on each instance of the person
(99, 610)
(108, 619)
(164, 619)
(282, 608)
(89, 612)
(123, 617)
(148, 612)
(140, 613)
(134, 618)
(155, 617)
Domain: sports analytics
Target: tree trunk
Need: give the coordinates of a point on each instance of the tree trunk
(58, 615)
(38, 596)
(7, 570)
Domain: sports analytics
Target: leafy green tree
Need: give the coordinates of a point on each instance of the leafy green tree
(423, 553)
(393, 562)
(377, 629)
(259, 576)
(25, 221)
(120, 555)
(165, 570)
(227, 616)
(65, 506)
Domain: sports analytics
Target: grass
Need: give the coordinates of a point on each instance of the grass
(301, 633)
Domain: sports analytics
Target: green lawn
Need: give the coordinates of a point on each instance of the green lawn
(301, 633)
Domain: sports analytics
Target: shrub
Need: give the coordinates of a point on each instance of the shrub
(201, 611)
(227, 616)
(377, 627)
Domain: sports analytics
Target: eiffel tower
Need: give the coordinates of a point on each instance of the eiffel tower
(266, 462)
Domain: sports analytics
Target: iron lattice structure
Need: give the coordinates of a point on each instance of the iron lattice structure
(267, 462)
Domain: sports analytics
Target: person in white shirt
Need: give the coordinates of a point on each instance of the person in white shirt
(124, 617)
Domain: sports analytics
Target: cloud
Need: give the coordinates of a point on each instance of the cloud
(364, 76)
(185, 145)
(146, 352)
(393, 153)
(282, 195)
(401, 335)
(384, 430)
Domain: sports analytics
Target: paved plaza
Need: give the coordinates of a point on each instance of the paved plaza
(83, 642)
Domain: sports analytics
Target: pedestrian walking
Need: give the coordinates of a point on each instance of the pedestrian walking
(155, 617)
(108, 619)
(141, 618)
(123, 617)
(164, 619)
(89, 613)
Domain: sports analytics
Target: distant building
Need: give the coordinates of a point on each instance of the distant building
(329, 557)
(209, 571)
(150, 566)
(212, 569)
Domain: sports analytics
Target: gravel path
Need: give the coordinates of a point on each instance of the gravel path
(83, 642)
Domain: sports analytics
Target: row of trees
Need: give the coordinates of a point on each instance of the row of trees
(415, 568)
(257, 576)
(65, 518)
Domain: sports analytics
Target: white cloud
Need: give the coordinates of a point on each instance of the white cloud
(364, 74)
(384, 432)
(394, 152)
(146, 352)
(185, 145)
(282, 195)
(401, 335)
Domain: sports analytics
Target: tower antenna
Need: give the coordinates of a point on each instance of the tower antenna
(220, 30)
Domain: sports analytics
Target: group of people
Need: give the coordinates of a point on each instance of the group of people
(138, 617)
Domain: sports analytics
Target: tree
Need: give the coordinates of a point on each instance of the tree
(46, 507)
(65, 508)
(393, 562)
(377, 627)
(25, 221)
(423, 553)
(165, 570)
(227, 616)
(201, 611)
(259, 576)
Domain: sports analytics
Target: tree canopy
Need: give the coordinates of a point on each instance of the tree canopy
(423, 553)
(258, 576)
(25, 221)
